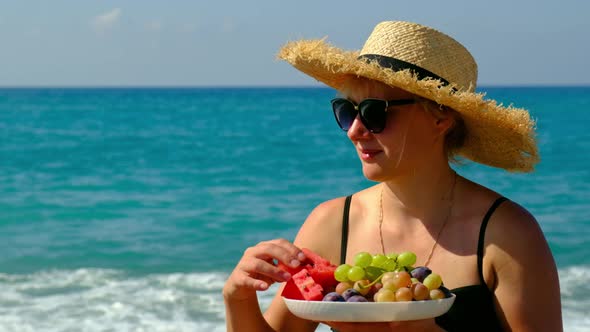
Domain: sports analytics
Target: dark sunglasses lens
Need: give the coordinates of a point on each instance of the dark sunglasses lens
(344, 112)
(373, 115)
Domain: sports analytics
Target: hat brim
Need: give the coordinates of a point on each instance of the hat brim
(497, 136)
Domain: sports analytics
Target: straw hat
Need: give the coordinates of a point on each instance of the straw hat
(430, 64)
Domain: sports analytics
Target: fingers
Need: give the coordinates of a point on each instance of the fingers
(280, 249)
(256, 269)
(262, 268)
(259, 283)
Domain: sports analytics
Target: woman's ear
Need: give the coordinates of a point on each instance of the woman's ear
(444, 123)
(442, 119)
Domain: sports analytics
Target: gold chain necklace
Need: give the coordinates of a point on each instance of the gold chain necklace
(452, 193)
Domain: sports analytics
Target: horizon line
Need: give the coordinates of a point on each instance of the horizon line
(256, 86)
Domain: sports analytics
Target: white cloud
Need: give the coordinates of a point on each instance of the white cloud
(107, 20)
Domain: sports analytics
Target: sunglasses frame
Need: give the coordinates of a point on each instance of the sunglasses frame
(359, 111)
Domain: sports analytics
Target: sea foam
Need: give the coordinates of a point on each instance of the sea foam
(111, 300)
(96, 300)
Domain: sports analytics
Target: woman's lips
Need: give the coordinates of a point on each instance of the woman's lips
(369, 154)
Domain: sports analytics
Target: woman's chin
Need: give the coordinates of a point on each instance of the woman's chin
(377, 173)
(373, 174)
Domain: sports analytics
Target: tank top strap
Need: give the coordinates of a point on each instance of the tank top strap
(482, 235)
(344, 241)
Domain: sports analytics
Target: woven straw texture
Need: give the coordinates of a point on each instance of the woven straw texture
(497, 135)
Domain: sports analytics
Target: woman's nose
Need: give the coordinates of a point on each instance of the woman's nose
(357, 130)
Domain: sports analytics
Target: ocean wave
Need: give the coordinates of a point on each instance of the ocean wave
(110, 300)
(96, 300)
(575, 297)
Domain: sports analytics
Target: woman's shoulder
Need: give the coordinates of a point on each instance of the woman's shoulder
(480, 200)
(323, 227)
(507, 219)
(333, 209)
(509, 224)
(514, 229)
(512, 232)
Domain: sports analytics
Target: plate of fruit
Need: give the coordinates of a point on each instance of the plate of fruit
(377, 288)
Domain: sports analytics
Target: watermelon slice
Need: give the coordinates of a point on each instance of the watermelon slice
(302, 286)
(291, 291)
(314, 275)
(324, 275)
(315, 258)
(311, 260)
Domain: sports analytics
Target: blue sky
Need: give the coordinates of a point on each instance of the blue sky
(234, 43)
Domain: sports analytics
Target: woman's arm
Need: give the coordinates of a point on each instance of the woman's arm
(320, 233)
(256, 272)
(245, 315)
(524, 273)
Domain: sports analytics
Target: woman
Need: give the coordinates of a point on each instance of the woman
(408, 106)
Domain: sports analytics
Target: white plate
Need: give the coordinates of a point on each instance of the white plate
(368, 311)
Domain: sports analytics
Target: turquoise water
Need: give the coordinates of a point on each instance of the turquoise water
(125, 209)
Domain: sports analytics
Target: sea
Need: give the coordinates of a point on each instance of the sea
(125, 209)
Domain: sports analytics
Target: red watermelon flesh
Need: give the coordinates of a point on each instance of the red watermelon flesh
(311, 278)
(311, 259)
(324, 275)
(319, 268)
(302, 286)
(315, 258)
(291, 291)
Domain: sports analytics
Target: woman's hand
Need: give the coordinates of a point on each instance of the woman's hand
(413, 325)
(256, 270)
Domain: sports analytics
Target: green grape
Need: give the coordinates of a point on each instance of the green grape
(341, 273)
(373, 272)
(400, 268)
(378, 260)
(363, 259)
(389, 265)
(392, 255)
(407, 258)
(432, 281)
(356, 273)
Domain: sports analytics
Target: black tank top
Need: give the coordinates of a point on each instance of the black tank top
(473, 309)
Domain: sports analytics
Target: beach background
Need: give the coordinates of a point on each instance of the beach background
(124, 209)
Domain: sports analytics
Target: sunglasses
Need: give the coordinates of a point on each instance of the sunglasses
(373, 112)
